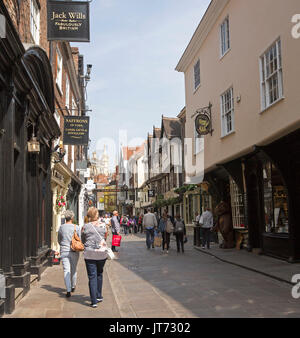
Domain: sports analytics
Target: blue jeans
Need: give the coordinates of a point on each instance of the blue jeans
(125, 229)
(149, 237)
(95, 270)
(69, 261)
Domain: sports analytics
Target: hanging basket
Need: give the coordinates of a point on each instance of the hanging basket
(60, 203)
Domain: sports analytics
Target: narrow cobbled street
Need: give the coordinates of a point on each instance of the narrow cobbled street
(145, 283)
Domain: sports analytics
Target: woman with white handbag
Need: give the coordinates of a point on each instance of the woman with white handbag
(95, 254)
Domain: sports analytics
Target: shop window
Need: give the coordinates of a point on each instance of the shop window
(275, 200)
(237, 205)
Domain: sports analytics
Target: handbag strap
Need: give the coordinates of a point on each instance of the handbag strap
(97, 232)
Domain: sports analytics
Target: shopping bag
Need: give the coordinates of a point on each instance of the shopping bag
(157, 241)
(110, 254)
(116, 240)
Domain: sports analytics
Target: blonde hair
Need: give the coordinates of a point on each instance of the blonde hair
(93, 214)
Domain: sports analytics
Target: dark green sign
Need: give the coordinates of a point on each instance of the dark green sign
(76, 130)
(68, 21)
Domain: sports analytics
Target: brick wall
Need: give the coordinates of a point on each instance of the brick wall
(20, 16)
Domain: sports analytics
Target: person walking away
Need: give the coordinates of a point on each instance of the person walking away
(124, 224)
(179, 232)
(168, 231)
(162, 229)
(206, 222)
(149, 223)
(69, 258)
(136, 222)
(140, 223)
(115, 227)
(131, 225)
(93, 237)
(107, 223)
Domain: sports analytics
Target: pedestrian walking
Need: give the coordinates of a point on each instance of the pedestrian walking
(69, 258)
(206, 222)
(124, 224)
(93, 237)
(162, 229)
(115, 227)
(166, 227)
(131, 225)
(149, 223)
(107, 222)
(180, 233)
(140, 223)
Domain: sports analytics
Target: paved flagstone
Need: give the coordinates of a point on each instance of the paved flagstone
(144, 283)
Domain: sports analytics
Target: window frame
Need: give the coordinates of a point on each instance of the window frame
(67, 103)
(35, 19)
(197, 68)
(59, 68)
(225, 45)
(198, 142)
(267, 63)
(224, 114)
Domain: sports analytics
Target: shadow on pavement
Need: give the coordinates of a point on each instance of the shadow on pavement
(75, 298)
(192, 285)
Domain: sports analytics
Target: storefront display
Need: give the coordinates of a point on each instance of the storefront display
(237, 206)
(275, 200)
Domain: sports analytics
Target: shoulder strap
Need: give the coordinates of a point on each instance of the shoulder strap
(97, 232)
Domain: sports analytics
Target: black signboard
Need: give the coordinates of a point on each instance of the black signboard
(76, 130)
(151, 193)
(68, 21)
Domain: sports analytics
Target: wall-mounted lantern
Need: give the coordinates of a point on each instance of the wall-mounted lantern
(33, 145)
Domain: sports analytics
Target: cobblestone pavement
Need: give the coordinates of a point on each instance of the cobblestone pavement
(144, 283)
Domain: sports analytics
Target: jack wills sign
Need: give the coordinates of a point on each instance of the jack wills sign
(68, 21)
(76, 130)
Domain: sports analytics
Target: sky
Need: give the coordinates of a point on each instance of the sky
(134, 49)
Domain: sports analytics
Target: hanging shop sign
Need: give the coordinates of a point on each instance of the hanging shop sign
(68, 21)
(76, 130)
(203, 122)
(151, 193)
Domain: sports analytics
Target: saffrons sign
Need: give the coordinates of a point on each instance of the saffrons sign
(76, 130)
(68, 21)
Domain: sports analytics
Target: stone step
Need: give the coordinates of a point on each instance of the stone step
(19, 292)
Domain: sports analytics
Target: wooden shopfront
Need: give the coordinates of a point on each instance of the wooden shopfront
(273, 183)
(26, 111)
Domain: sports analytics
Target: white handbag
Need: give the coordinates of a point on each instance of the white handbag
(110, 254)
(104, 247)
